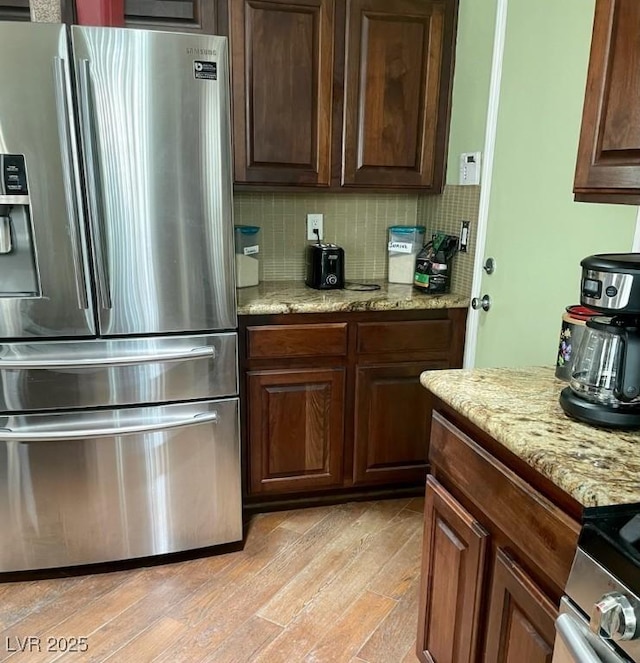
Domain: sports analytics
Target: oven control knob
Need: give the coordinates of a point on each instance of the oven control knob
(614, 617)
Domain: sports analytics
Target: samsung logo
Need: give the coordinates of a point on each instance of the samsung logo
(201, 51)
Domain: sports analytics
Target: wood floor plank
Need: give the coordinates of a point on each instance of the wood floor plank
(43, 620)
(200, 605)
(411, 656)
(302, 520)
(416, 504)
(328, 562)
(311, 624)
(397, 634)
(244, 643)
(24, 597)
(402, 571)
(349, 633)
(131, 622)
(159, 637)
(236, 607)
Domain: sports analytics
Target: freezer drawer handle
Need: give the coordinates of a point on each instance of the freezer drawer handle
(8, 435)
(93, 189)
(575, 641)
(69, 165)
(95, 362)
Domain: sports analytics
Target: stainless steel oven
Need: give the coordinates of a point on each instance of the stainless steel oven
(599, 620)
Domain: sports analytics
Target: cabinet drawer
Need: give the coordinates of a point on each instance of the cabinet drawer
(432, 336)
(525, 516)
(284, 341)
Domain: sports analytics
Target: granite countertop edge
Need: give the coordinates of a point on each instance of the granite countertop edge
(519, 408)
(277, 297)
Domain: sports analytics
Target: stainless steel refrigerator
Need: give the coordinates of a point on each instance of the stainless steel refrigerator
(119, 427)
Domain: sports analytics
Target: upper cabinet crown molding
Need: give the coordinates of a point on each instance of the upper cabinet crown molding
(608, 163)
(342, 94)
(14, 10)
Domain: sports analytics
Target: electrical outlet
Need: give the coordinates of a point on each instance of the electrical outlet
(315, 222)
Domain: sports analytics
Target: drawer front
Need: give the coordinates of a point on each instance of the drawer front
(526, 517)
(285, 341)
(430, 336)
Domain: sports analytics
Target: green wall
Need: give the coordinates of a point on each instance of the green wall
(472, 73)
(536, 232)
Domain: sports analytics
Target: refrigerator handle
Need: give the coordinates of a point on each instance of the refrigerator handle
(33, 435)
(93, 189)
(69, 166)
(103, 362)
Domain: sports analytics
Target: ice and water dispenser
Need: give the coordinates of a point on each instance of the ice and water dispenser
(18, 271)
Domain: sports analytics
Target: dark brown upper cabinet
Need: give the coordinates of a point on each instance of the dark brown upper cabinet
(608, 164)
(205, 16)
(14, 10)
(342, 94)
(396, 93)
(282, 63)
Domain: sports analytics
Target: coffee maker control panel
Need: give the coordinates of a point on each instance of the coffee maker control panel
(611, 283)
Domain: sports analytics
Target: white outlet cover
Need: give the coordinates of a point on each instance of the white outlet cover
(315, 221)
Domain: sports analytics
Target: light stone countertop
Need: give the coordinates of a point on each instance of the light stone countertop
(519, 408)
(273, 297)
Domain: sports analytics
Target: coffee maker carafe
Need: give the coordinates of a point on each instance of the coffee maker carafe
(605, 380)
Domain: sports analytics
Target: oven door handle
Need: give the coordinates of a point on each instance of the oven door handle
(574, 640)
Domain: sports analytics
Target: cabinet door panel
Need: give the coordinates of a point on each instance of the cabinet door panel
(392, 424)
(179, 15)
(282, 63)
(454, 548)
(521, 617)
(397, 89)
(609, 149)
(296, 428)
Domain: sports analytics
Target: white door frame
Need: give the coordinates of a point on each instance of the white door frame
(473, 318)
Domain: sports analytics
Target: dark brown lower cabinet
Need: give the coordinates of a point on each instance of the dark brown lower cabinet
(521, 618)
(454, 549)
(496, 552)
(296, 426)
(333, 402)
(392, 416)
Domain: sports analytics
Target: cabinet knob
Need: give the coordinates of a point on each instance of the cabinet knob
(484, 303)
(614, 617)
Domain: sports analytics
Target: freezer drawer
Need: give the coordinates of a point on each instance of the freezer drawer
(116, 484)
(117, 372)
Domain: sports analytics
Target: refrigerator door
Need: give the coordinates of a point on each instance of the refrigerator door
(44, 286)
(154, 110)
(55, 375)
(104, 485)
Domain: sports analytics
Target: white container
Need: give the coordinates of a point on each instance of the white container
(247, 256)
(405, 242)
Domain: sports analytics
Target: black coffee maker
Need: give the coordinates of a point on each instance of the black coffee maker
(605, 380)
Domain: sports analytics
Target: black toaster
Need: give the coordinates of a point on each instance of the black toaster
(325, 266)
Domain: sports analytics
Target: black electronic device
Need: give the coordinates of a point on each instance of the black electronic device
(325, 266)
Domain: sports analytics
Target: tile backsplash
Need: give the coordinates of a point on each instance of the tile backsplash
(357, 222)
(444, 214)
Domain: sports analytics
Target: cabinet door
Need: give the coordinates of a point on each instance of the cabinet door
(181, 16)
(609, 149)
(453, 554)
(397, 88)
(392, 424)
(14, 10)
(521, 617)
(296, 429)
(282, 60)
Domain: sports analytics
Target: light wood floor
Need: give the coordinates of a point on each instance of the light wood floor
(320, 585)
